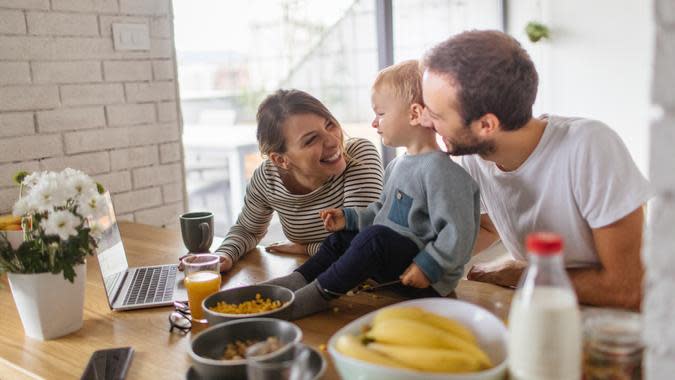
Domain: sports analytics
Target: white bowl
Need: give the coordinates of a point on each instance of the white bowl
(488, 329)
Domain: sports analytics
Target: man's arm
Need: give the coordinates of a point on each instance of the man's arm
(487, 234)
(618, 282)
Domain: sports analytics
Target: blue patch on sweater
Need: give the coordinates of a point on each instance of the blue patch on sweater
(400, 208)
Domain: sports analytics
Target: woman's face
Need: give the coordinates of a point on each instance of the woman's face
(313, 148)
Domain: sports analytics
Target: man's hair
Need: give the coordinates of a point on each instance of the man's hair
(404, 79)
(492, 73)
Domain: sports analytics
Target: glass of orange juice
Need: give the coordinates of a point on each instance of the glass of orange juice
(202, 278)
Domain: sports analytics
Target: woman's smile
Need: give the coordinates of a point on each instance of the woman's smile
(332, 159)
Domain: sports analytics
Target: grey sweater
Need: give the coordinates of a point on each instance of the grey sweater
(435, 203)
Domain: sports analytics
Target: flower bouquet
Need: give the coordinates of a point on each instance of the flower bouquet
(58, 212)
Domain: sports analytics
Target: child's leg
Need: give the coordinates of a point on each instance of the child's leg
(293, 281)
(331, 249)
(377, 251)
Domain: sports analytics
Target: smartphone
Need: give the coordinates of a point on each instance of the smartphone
(110, 364)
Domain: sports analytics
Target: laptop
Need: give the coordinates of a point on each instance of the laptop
(133, 288)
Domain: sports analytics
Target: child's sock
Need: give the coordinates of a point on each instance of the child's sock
(293, 281)
(309, 300)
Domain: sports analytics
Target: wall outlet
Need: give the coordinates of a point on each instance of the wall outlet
(131, 36)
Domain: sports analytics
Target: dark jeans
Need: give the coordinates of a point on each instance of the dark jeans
(348, 258)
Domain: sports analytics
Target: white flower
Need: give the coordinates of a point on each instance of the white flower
(24, 206)
(61, 223)
(93, 205)
(80, 186)
(70, 172)
(32, 179)
(48, 194)
(95, 230)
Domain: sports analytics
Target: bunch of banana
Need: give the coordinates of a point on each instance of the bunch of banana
(10, 223)
(414, 338)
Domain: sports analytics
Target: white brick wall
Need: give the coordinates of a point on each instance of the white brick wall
(116, 71)
(65, 119)
(12, 22)
(61, 24)
(68, 99)
(14, 73)
(659, 256)
(67, 72)
(131, 114)
(16, 124)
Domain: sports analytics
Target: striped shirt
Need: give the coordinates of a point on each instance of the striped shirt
(359, 185)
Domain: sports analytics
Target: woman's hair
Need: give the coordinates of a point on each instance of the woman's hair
(492, 73)
(404, 79)
(277, 108)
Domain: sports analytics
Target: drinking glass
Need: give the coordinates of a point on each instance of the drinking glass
(290, 362)
(202, 278)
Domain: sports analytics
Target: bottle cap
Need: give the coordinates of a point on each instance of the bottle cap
(544, 243)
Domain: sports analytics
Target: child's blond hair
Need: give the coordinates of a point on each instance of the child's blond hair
(404, 79)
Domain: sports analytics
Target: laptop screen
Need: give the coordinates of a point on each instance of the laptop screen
(110, 252)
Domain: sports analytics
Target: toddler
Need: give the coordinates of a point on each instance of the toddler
(421, 230)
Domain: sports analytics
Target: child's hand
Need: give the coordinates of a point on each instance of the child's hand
(413, 276)
(333, 219)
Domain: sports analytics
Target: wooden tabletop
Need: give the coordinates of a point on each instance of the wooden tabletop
(160, 354)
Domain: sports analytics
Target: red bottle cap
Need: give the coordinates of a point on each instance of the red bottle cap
(544, 243)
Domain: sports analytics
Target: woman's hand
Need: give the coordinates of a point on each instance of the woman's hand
(225, 262)
(413, 276)
(333, 219)
(287, 247)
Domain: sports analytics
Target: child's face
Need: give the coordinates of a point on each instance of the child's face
(392, 117)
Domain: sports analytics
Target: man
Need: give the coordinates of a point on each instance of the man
(572, 176)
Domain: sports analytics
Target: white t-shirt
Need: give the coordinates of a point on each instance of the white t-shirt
(580, 176)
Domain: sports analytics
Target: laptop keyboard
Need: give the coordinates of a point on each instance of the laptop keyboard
(150, 285)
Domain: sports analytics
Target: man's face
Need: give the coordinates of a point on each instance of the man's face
(441, 113)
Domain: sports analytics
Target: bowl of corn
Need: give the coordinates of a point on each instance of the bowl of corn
(270, 301)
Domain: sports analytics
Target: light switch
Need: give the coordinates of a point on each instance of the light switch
(131, 36)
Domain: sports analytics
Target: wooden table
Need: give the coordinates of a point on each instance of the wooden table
(160, 354)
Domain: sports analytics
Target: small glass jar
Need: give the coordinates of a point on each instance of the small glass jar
(612, 345)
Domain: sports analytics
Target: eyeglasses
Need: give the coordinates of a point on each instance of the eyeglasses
(180, 318)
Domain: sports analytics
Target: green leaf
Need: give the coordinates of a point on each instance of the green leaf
(20, 176)
(536, 31)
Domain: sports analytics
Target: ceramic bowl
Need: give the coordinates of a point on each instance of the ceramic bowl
(207, 347)
(248, 293)
(489, 331)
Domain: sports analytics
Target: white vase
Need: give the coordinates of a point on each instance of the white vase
(49, 305)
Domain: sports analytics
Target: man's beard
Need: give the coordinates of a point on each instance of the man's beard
(470, 145)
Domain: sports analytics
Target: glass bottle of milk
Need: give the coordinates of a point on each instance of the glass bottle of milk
(544, 321)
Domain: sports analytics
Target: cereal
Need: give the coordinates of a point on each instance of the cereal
(237, 350)
(258, 305)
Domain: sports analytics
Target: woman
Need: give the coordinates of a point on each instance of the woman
(308, 167)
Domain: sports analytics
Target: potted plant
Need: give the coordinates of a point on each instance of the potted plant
(47, 271)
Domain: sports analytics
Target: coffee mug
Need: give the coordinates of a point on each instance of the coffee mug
(197, 230)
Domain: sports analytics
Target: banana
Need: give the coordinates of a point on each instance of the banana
(423, 316)
(416, 334)
(11, 227)
(9, 220)
(429, 359)
(352, 346)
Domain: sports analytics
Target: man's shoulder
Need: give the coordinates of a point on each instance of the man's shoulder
(580, 131)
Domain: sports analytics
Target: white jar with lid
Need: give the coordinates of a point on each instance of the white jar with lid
(544, 321)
